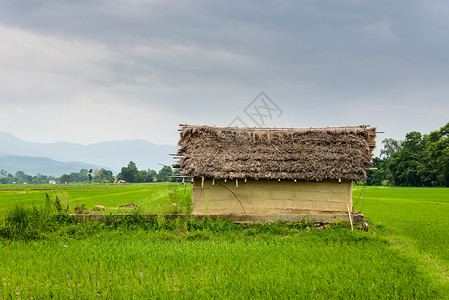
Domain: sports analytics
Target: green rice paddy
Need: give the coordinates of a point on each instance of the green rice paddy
(152, 198)
(404, 255)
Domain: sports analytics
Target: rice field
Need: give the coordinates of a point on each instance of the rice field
(404, 255)
(414, 220)
(152, 198)
(120, 265)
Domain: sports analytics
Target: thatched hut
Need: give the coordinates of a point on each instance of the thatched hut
(274, 171)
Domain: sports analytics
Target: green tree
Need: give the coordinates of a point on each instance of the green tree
(89, 175)
(129, 173)
(391, 146)
(414, 142)
(21, 177)
(436, 171)
(10, 178)
(5, 177)
(81, 176)
(146, 176)
(65, 178)
(41, 179)
(420, 160)
(378, 176)
(406, 167)
(103, 176)
(164, 174)
(152, 174)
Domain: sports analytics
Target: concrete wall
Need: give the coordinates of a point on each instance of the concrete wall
(270, 197)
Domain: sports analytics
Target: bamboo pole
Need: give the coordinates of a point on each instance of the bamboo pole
(350, 217)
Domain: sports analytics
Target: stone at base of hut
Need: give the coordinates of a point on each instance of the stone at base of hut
(320, 220)
(363, 225)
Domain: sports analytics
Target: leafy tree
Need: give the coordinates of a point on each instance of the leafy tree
(406, 164)
(391, 146)
(5, 177)
(10, 178)
(420, 160)
(164, 174)
(436, 172)
(81, 176)
(64, 178)
(145, 176)
(89, 175)
(380, 175)
(18, 178)
(41, 179)
(152, 174)
(21, 177)
(103, 176)
(413, 142)
(129, 173)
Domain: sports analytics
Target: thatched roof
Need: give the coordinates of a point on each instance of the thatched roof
(307, 154)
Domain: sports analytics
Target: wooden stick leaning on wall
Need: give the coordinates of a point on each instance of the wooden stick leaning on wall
(350, 217)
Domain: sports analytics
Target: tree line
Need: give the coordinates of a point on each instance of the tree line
(418, 160)
(20, 177)
(129, 173)
(132, 174)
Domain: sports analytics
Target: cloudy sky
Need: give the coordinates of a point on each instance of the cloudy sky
(94, 70)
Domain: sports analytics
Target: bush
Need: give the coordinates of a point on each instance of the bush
(385, 182)
(35, 222)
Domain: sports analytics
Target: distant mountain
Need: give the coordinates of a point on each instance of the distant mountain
(10, 145)
(112, 155)
(41, 165)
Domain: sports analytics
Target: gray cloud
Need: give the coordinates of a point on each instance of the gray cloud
(325, 62)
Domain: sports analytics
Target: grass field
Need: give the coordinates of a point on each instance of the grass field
(414, 220)
(404, 255)
(152, 198)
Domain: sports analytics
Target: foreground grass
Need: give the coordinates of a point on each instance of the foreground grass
(220, 260)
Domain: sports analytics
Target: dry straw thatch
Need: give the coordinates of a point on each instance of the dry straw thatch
(306, 154)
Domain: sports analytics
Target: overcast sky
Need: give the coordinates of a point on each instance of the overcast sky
(88, 71)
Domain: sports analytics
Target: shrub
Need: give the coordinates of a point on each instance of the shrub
(34, 222)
